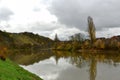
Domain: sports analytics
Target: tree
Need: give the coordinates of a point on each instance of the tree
(99, 44)
(91, 30)
(71, 38)
(56, 39)
(77, 37)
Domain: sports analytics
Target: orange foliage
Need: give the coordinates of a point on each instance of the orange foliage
(3, 53)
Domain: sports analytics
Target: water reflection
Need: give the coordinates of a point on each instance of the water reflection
(93, 68)
(27, 57)
(52, 65)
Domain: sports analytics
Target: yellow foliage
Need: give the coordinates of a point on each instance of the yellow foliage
(86, 44)
(118, 45)
(99, 44)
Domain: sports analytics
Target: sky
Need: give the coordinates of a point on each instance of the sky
(64, 17)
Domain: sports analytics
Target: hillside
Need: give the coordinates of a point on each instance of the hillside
(24, 40)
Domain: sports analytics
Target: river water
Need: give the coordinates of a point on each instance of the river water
(86, 65)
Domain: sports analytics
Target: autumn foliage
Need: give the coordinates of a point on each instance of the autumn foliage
(3, 53)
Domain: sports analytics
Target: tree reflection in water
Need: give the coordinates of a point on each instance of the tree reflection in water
(90, 59)
(93, 68)
(78, 59)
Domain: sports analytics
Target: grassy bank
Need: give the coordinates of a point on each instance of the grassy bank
(11, 71)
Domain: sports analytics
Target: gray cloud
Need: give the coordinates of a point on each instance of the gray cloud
(36, 9)
(37, 26)
(5, 14)
(75, 12)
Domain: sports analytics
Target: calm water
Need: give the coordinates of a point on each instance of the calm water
(72, 66)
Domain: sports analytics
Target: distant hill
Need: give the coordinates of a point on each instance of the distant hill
(24, 40)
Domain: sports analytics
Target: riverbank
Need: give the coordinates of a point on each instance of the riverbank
(12, 71)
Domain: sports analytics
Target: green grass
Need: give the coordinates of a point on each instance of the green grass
(12, 71)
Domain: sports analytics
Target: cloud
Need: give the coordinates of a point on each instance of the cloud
(64, 17)
(108, 32)
(40, 26)
(50, 29)
(74, 13)
(5, 14)
(63, 32)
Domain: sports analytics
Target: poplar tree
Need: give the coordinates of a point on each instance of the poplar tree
(56, 39)
(91, 30)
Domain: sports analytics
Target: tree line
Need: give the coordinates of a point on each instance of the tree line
(78, 41)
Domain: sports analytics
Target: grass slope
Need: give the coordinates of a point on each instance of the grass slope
(11, 71)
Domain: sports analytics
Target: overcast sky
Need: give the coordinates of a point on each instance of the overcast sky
(64, 17)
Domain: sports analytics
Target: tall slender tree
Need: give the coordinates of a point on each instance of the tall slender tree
(56, 39)
(91, 30)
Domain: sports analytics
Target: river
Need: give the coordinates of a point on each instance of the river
(51, 65)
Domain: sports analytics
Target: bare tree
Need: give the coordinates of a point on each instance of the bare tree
(91, 30)
(77, 37)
